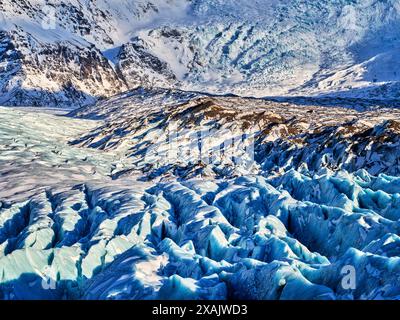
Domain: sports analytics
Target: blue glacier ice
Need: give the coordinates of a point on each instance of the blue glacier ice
(252, 237)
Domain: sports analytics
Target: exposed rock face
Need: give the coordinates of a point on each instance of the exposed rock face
(139, 67)
(53, 74)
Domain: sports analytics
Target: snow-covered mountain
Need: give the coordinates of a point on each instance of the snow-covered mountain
(252, 48)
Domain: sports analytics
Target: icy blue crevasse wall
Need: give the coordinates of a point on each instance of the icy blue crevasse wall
(249, 238)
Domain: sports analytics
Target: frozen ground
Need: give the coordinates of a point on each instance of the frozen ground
(124, 201)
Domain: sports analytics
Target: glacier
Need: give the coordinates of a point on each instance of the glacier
(93, 204)
(199, 149)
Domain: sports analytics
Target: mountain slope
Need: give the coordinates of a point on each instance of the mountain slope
(48, 74)
(259, 48)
